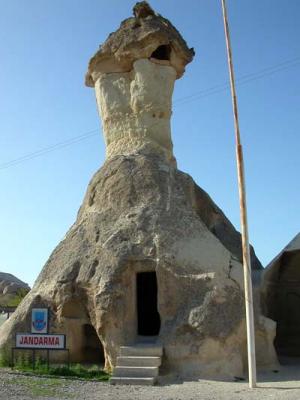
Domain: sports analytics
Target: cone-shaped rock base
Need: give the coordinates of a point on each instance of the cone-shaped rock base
(141, 215)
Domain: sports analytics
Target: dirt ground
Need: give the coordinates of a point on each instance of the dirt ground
(282, 385)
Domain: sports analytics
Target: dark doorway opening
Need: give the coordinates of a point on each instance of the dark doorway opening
(162, 52)
(148, 316)
(287, 306)
(92, 350)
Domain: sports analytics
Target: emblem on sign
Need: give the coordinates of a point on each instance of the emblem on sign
(39, 320)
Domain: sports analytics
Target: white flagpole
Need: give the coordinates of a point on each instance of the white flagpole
(243, 211)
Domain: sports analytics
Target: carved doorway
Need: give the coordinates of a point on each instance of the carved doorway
(92, 351)
(287, 306)
(147, 312)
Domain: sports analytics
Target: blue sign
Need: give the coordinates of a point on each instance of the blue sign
(39, 320)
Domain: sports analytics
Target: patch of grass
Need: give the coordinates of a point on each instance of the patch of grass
(4, 358)
(80, 371)
(23, 363)
(75, 370)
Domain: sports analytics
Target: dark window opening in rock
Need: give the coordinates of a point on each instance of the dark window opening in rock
(148, 316)
(287, 306)
(162, 52)
(92, 350)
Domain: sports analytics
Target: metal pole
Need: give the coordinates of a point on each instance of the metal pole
(48, 362)
(243, 211)
(12, 358)
(33, 359)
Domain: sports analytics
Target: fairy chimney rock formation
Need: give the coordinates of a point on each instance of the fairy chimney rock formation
(133, 74)
(150, 253)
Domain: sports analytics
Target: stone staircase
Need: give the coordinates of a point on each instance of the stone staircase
(137, 365)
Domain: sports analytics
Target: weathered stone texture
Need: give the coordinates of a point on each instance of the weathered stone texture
(138, 38)
(140, 214)
(135, 108)
(10, 286)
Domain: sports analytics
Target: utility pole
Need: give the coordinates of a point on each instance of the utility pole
(243, 212)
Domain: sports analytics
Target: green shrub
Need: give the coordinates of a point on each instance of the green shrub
(24, 363)
(80, 371)
(4, 358)
(14, 299)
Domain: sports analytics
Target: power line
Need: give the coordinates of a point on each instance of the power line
(177, 102)
(241, 81)
(49, 149)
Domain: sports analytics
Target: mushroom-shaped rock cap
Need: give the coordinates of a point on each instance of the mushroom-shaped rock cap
(146, 35)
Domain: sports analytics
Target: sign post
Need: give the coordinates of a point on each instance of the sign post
(40, 338)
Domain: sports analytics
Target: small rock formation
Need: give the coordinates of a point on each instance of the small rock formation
(150, 254)
(12, 289)
(281, 298)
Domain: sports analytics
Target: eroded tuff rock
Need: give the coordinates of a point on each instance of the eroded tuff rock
(135, 108)
(140, 214)
(133, 74)
(144, 36)
(10, 287)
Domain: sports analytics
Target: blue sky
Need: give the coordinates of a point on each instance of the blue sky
(45, 48)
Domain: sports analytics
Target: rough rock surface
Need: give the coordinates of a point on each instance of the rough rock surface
(138, 38)
(135, 108)
(140, 214)
(10, 286)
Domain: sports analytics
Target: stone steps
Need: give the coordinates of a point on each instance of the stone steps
(136, 372)
(139, 361)
(137, 365)
(143, 350)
